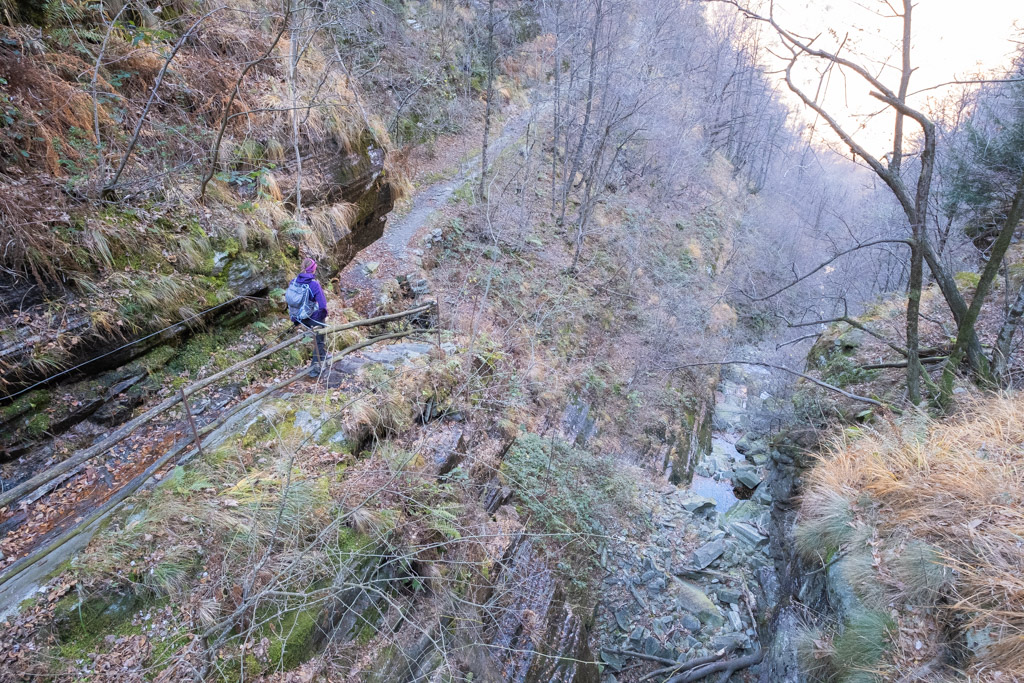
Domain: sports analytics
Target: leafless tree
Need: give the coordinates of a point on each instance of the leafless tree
(910, 183)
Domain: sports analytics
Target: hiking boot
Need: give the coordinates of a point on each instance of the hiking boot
(314, 370)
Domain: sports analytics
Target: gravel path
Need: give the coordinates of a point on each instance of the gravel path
(400, 235)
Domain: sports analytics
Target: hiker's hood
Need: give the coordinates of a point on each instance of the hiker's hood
(305, 278)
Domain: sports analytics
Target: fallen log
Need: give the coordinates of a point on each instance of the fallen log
(902, 364)
(119, 435)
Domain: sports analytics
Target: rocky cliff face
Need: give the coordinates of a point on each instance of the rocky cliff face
(801, 591)
(155, 301)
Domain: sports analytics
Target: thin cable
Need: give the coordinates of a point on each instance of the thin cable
(121, 348)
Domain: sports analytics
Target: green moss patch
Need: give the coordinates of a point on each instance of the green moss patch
(293, 638)
(33, 400)
(80, 624)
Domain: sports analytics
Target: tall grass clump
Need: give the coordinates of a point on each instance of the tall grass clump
(942, 508)
(826, 523)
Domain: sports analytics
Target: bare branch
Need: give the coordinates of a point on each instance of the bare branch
(837, 256)
(215, 152)
(109, 188)
(823, 385)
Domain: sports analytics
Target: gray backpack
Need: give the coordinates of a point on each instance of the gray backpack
(301, 304)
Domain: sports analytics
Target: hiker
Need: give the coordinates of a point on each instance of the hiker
(307, 306)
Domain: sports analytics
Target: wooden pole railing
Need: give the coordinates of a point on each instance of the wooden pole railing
(131, 487)
(119, 435)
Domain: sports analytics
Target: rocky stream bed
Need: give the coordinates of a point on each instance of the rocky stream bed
(694, 577)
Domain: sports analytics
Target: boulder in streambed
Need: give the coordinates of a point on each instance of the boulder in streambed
(747, 476)
(747, 511)
(748, 534)
(695, 504)
(708, 553)
(749, 445)
(690, 598)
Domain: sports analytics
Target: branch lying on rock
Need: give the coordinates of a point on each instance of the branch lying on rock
(694, 669)
(642, 655)
(728, 666)
(902, 364)
(681, 667)
(26, 487)
(823, 385)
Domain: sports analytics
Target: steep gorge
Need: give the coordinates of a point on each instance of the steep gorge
(524, 461)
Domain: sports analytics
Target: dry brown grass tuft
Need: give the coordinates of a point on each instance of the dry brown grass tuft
(949, 498)
(328, 225)
(55, 116)
(29, 212)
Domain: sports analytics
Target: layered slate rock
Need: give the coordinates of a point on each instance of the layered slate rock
(536, 636)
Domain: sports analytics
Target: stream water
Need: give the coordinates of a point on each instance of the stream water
(719, 491)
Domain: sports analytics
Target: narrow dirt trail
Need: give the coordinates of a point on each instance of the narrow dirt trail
(400, 236)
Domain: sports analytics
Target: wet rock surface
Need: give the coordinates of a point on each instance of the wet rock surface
(693, 578)
(680, 586)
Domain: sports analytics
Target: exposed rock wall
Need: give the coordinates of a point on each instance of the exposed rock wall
(692, 442)
(43, 338)
(801, 592)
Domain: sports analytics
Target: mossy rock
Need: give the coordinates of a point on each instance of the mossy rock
(38, 424)
(80, 625)
(695, 601)
(967, 280)
(841, 370)
(293, 638)
(33, 400)
(851, 340)
(1016, 271)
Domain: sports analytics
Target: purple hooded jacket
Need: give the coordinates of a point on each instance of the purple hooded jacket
(318, 294)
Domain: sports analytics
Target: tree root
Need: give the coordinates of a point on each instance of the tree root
(695, 669)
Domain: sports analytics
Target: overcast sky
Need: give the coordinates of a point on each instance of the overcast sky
(951, 39)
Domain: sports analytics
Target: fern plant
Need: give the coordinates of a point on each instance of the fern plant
(59, 12)
(442, 518)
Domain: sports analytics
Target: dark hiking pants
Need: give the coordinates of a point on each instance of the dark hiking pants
(319, 343)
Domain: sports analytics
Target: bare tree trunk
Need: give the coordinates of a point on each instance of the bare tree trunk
(988, 275)
(293, 74)
(556, 119)
(490, 97)
(577, 156)
(913, 319)
(585, 206)
(1001, 352)
(956, 303)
